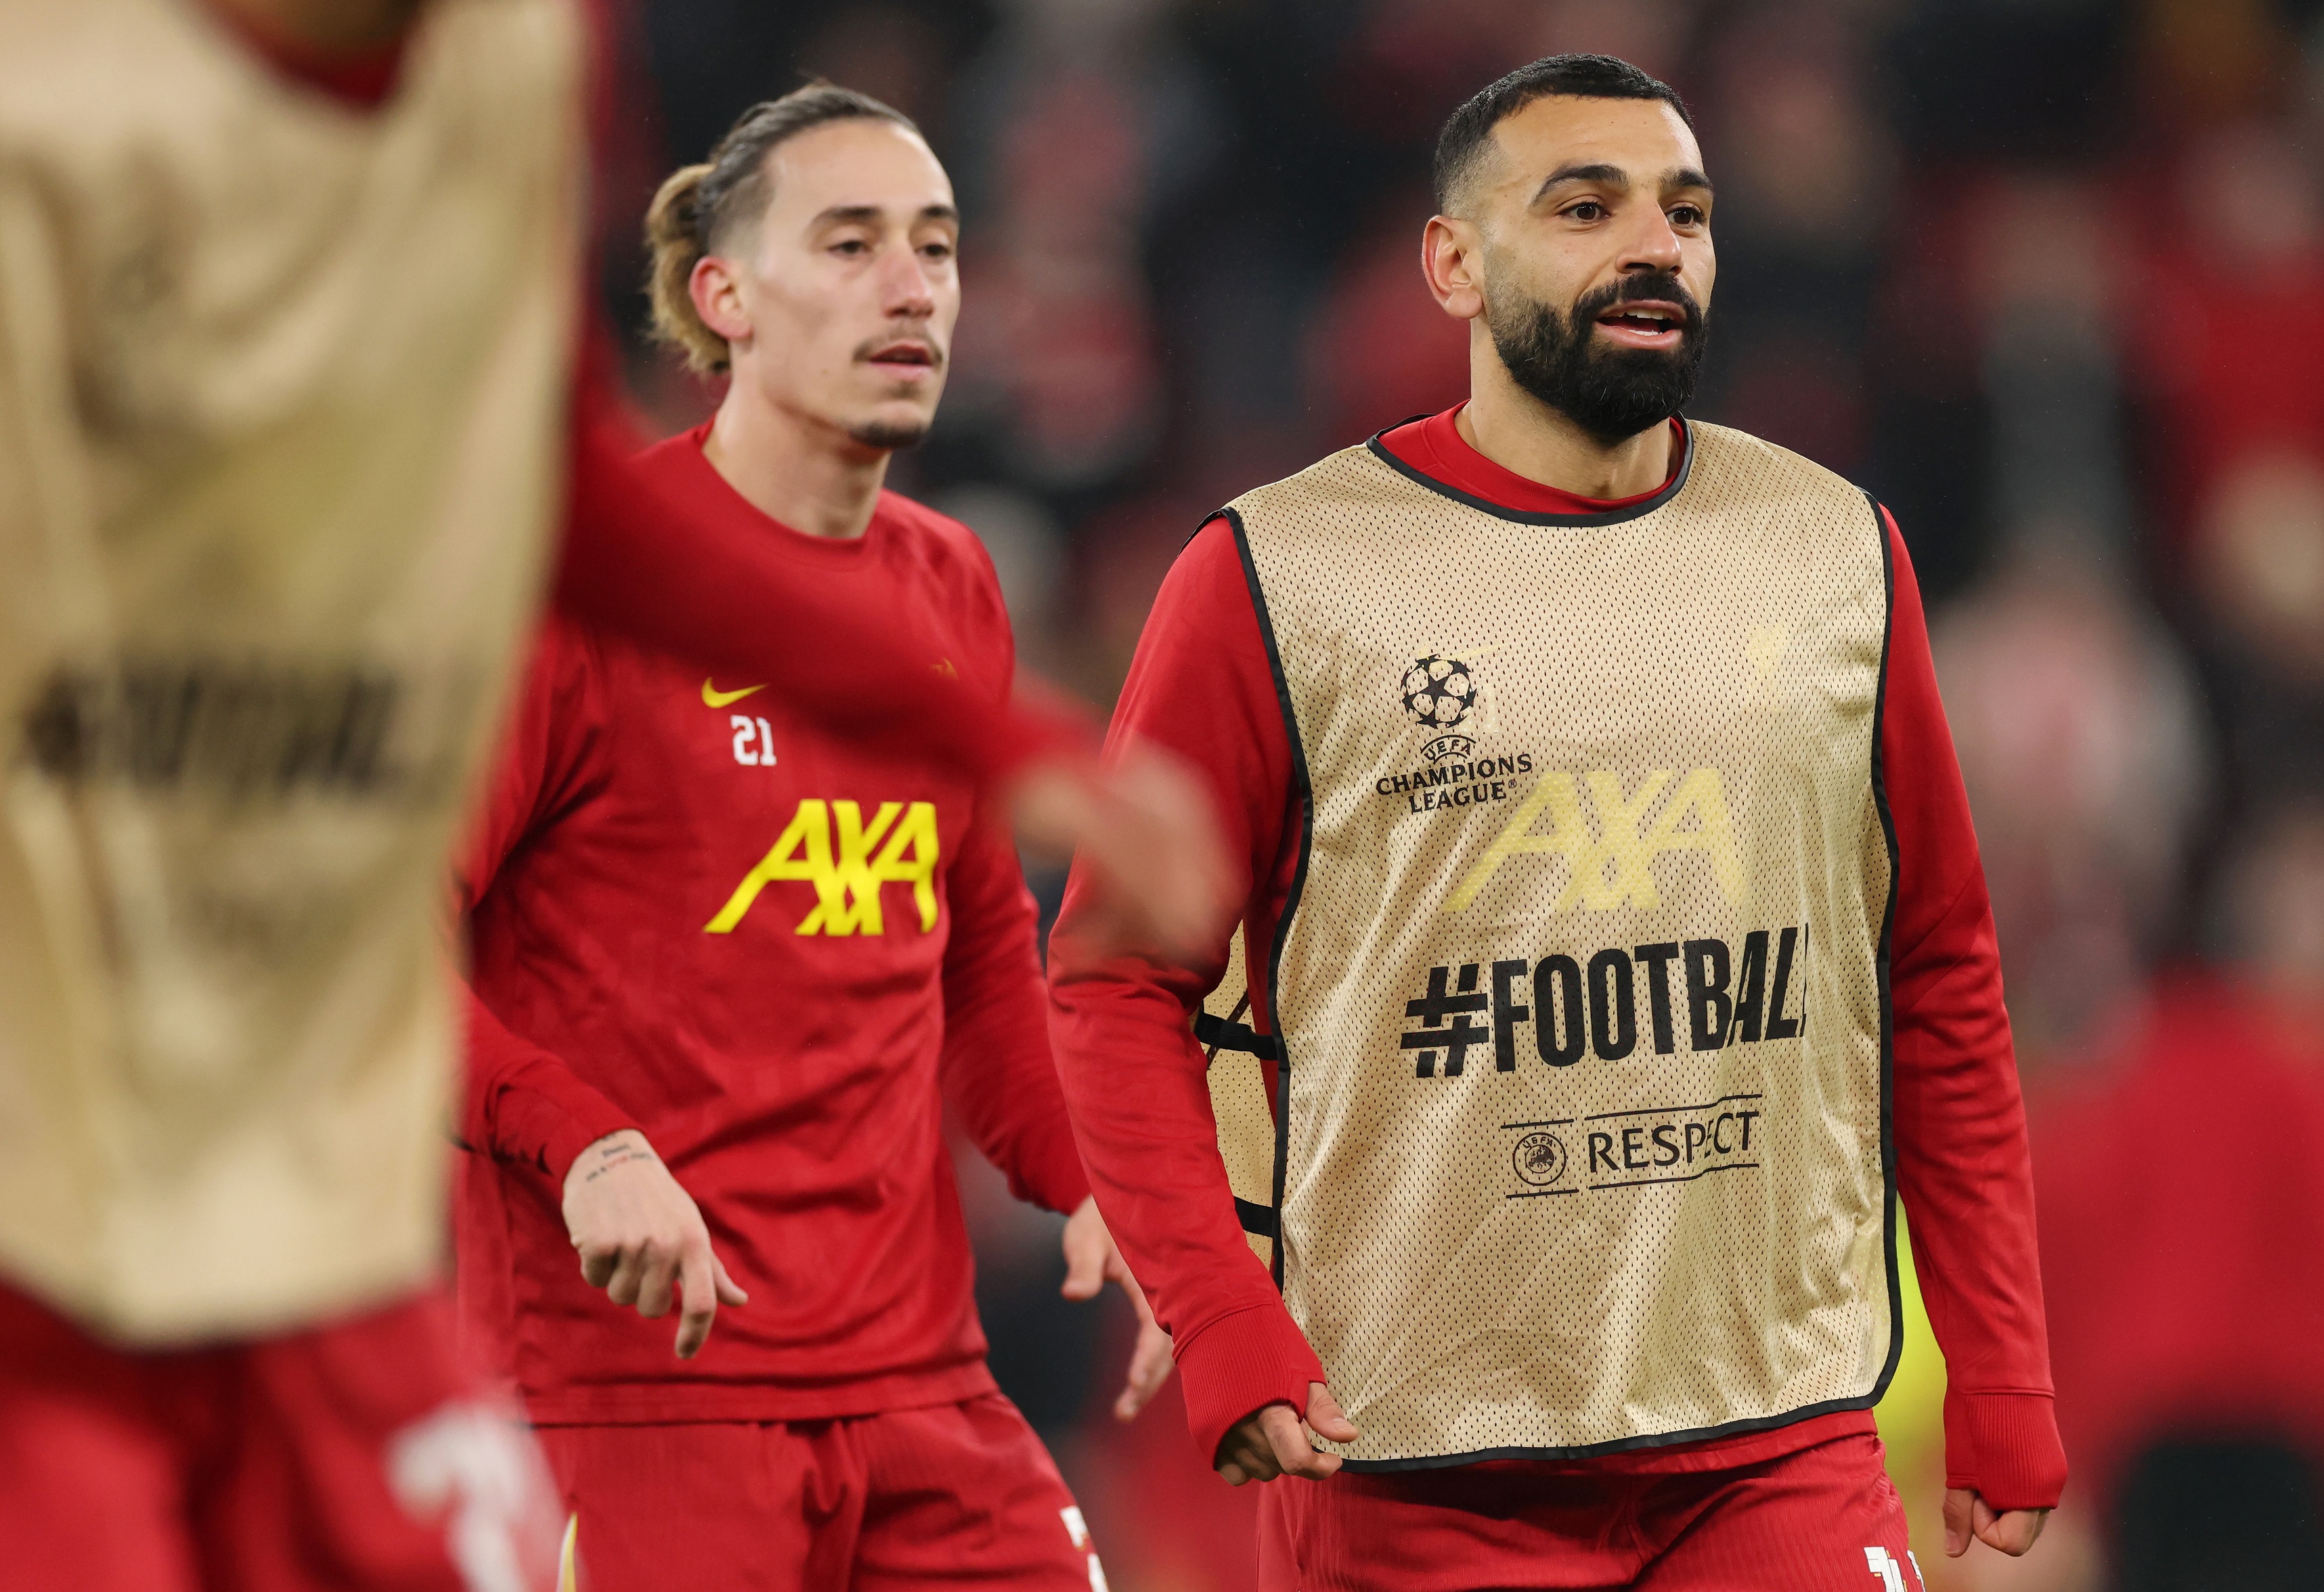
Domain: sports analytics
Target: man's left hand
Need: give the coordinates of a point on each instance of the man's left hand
(1091, 1262)
(1967, 1515)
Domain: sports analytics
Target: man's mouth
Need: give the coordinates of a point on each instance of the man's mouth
(1643, 324)
(904, 359)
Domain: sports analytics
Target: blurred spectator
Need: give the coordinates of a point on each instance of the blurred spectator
(2259, 568)
(2078, 740)
(1804, 173)
(2182, 1206)
(1380, 350)
(2229, 316)
(1070, 131)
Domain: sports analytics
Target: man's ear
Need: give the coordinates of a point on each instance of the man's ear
(717, 294)
(1450, 258)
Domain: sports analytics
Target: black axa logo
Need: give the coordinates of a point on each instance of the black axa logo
(1720, 995)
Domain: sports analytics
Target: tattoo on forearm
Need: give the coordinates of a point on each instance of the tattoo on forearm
(615, 1157)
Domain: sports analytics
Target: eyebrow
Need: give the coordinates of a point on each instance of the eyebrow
(1615, 178)
(839, 215)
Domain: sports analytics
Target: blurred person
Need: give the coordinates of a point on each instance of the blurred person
(1078, 123)
(706, 1033)
(1375, 350)
(2083, 748)
(1626, 952)
(2258, 573)
(2181, 1200)
(289, 410)
(2242, 245)
(1807, 173)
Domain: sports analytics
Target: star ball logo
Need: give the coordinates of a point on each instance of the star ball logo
(1439, 693)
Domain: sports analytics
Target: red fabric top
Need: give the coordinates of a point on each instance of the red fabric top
(651, 555)
(2182, 1205)
(787, 1069)
(1201, 685)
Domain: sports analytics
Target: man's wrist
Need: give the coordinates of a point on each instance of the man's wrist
(577, 1137)
(2005, 1447)
(1239, 1364)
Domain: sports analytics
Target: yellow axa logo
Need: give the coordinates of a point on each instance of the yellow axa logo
(828, 844)
(1612, 858)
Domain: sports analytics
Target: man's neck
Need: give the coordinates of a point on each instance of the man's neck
(808, 475)
(1519, 432)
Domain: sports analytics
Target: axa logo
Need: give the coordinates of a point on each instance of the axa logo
(1611, 834)
(830, 846)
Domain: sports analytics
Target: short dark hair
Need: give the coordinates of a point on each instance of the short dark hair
(700, 206)
(1585, 76)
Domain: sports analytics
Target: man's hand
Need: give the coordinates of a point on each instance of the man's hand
(1273, 1441)
(639, 1233)
(1090, 1263)
(2012, 1530)
(1143, 829)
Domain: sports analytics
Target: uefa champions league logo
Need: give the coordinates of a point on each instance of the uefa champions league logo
(1439, 693)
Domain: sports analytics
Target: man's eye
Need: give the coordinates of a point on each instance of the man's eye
(851, 246)
(936, 251)
(1685, 215)
(1588, 210)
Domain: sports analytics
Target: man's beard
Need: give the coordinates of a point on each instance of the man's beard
(1612, 393)
(887, 437)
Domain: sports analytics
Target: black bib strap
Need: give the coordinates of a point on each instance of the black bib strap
(1218, 1034)
(1258, 1219)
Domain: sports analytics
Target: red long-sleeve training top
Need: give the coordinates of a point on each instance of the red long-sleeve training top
(704, 909)
(1201, 685)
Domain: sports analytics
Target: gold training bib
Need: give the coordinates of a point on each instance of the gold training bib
(284, 392)
(1583, 985)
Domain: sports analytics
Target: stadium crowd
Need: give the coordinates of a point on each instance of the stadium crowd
(2047, 279)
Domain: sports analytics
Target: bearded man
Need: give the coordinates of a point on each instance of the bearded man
(1618, 952)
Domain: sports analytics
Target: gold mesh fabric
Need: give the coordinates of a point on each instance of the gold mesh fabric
(283, 430)
(1504, 1229)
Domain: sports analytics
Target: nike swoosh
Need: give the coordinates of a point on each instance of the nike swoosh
(714, 697)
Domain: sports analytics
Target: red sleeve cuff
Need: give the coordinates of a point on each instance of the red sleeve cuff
(1055, 1178)
(576, 1134)
(2006, 1447)
(1240, 1363)
(548, 1106)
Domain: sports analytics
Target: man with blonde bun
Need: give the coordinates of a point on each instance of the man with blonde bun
(732, 967)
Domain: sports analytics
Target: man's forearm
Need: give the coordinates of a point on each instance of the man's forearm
(523, 1104)
(1136, 1087)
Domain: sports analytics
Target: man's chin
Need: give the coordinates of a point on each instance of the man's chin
(889, 434)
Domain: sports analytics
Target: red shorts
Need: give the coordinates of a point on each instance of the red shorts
(952, 1494)
(1825, 1519)
(348, 1457)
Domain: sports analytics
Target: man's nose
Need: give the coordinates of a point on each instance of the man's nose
(1653, 246)
(905, 288)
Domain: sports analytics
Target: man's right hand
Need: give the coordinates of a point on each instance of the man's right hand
(639, 1235)
(1273, 1441)
(1142, 828)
